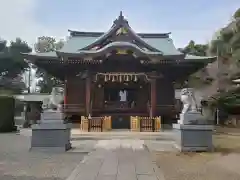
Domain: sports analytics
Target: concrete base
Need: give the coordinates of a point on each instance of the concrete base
(193, 137)
(51, 137)
(190, 117)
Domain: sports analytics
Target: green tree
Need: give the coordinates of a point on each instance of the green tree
(202, 77)
(195, 49)
(43, 45)
(226, 45)
(12, 64)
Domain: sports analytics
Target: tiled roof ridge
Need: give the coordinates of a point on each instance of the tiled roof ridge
(97, 34)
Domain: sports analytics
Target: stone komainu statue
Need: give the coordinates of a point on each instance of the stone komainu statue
(53, 102)
(188, 99)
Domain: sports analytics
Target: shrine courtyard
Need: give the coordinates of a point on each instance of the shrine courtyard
(16, 162)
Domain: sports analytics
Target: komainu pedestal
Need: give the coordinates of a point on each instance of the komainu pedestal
(189, 137)
(51, 133)
(193, 132)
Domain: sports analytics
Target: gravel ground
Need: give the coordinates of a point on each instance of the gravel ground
(221, 165)
(200, 166)
(17, 163)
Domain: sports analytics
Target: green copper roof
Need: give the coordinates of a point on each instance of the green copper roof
(150, 43)
(121, 28)
(76, 43)
(120, 35)
(116, 44)
(165, 45)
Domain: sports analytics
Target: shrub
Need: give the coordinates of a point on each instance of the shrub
(7, 107)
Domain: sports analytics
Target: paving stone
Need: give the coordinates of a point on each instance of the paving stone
(17, 163)
(85, 176)
(117, 160)
(146, 177)
(106, 177)
(144, 169)
(126, 176)
(126, 168)
(108, 169)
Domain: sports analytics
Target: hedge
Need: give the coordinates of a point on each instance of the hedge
(7, 108)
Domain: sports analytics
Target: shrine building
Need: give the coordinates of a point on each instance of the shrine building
(120, 77)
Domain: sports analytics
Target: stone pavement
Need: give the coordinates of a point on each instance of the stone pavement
(117, 159)
(76, 134)
(17, 163)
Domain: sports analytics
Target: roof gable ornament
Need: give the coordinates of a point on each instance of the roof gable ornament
(121, 31)
(120, 20)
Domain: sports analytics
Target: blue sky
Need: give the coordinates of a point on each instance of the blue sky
(196, 20)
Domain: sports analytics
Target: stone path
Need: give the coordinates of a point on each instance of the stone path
(117, 159)
(17, 163)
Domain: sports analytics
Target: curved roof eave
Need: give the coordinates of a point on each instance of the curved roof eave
(174, 56)
(34, 56)
(141, 40)
(101, 38)
(110, 46)
(207, 59)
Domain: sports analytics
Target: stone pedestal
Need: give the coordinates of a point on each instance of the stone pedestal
(190, 117)
(193, 137)
(51, 133)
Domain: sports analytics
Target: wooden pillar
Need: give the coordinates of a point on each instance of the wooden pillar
(65, 101)
(88, 95)
(153, 98)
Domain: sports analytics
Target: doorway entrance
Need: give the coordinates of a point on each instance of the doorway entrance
(120, 122)
(121, 95)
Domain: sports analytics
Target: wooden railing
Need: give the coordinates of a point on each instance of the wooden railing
(96, 124)
(122, 107)
(73, 107)
(166, 108)
(68, 108)
(117, 105)
(145, 124)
